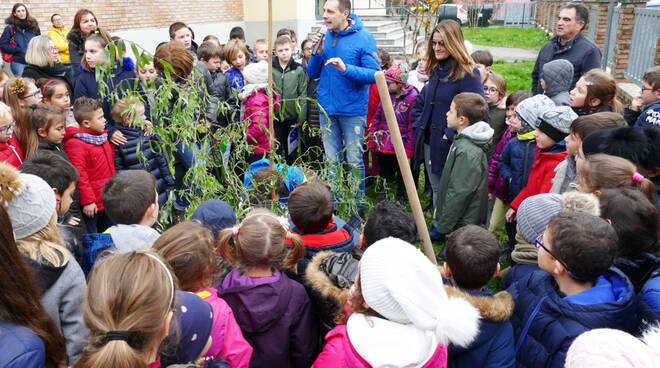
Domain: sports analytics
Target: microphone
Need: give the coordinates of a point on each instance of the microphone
(322, 31)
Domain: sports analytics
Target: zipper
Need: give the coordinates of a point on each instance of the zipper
(531, 318)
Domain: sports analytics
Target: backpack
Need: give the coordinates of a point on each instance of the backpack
(93, 246)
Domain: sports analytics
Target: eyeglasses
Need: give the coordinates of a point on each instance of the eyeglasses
(36, 93)
(539, 243)
(650, 89)
(490, 90)
(53, 49)
(436, 43)
(8, 128)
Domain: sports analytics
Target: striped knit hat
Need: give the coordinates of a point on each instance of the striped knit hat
(534, 214)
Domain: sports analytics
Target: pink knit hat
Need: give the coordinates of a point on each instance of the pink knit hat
(606, 347)
(398, 72)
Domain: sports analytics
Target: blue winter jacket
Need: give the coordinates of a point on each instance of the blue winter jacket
(515, 163)
(650, 116)
(122, 80)
(21, 36)
(20, 347)
(431, 126)
(649, 308)
(545, 321)
(153, 161)
(644, 273)
(346, 94)
(517, 272)
(493, 347)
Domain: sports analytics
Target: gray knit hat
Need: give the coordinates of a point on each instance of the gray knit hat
(535, 212)
(531, 109)
(556, 122)
(29, 200)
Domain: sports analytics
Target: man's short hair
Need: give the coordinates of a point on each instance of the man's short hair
(472, 255)
(652, 77)
(581, 12)
(483, 57)
(127, 195)
(387, 219)
(587, 124)
(471, 105)
(282, 40)
(586, 244)
(53, 169)
(344, 5)
(208, 50)
(311, 206)
(237, 33)
(84, 108)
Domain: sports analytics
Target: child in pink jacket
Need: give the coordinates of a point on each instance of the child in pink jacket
(402, 316)
(256, 113)
(189, 249)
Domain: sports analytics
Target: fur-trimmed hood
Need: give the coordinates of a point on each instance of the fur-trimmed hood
(323, 283)
(494, 308)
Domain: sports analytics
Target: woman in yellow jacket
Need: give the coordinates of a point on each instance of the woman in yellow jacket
(58, 34)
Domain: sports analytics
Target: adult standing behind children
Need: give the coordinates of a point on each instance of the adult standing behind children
(346, 68)
(21, 27)
(84, 24)
(44, 62)
(58, 33)
(569, 44)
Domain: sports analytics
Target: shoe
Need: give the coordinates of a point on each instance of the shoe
(435, 235)
(441, 256)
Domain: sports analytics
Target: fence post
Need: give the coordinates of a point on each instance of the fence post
(624, 37)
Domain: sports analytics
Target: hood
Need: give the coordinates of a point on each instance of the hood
(611, 287)
(384, 343)
(480, 133)
(638, 270)
(45, 274)
(558, 147)
(262, 302)
(321, 282)
(558, 76)
(132, 237)
(44, 144)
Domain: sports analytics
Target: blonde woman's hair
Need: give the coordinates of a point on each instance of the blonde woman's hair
(38, 51)
(601, 171)
(45, 245)
(461, 61)
(129, 292)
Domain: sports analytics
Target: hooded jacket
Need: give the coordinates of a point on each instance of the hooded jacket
(644, 273)
(256, 113)
(127, 238)
(220, 89)
(403, 111)
(558, 75)
(650, 116)
(21, 347)
(275, 316)
(333, 238)
(95, 164)
(62, 291)
(493, 347)
(152, 160)
(432, 106)
(57, 71)
(545, 321)
(580, 51)
(463, 190)
(566, 176)
(58, 35)
(22, 38)
(346, 94)
(495, 181)
(11, 153)
(541, 173)
(516, 161)
(292, 87)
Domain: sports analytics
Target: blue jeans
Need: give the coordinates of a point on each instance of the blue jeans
(17, 68)
(434, 179)
(348, 132)
(190, 157)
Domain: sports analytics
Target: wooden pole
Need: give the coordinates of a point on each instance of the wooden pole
(271, 110)
(404, 166)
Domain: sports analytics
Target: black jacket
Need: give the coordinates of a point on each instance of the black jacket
(580, 51)
(56, 71)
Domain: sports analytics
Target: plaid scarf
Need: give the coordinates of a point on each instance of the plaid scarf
(96, 140)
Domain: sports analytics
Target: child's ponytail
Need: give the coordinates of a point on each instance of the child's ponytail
(227, 246)
(295, 253)
(601, 86)
(645, 186)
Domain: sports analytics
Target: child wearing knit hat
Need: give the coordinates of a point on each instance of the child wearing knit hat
(402, 315)
(552, 126)
(256, 109)
(403, 97)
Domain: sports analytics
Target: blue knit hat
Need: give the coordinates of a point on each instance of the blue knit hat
(215, 215)
(191, 330)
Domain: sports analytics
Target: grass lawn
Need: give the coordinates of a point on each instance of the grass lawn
(518, 37)
(518, 75)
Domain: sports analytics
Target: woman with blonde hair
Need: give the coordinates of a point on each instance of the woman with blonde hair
(44, 61)
(451, 71)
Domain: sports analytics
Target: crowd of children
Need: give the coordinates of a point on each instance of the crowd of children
(569, 176)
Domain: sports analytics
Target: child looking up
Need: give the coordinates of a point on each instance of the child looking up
(273, 311)
(556, 80)
(10, 150)
(188, 247)
(495, 92)
(463, 191)
(93, 156)
(594, 92)
(649, 98)
(56, 93)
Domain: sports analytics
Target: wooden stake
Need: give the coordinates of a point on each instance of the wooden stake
(271, 110)
(404, 166)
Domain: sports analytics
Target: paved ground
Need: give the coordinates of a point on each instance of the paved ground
(508, 54)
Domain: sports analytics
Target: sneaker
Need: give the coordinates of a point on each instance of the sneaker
(435, 234)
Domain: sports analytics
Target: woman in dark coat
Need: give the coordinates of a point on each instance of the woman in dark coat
(21, 27)
(84, 24)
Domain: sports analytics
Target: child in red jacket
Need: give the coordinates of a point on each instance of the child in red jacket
(10, 150)
(93, 156)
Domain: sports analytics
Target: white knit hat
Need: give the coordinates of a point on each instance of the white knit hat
(256, 73)
(29, 199)
(402, 285)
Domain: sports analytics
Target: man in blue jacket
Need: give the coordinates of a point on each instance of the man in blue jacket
(569, 44)
(346, 62)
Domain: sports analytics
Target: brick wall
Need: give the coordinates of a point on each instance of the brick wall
(121, 15)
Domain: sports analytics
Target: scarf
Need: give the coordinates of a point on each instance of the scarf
(22, 23)
(96, 140)
(421, 75)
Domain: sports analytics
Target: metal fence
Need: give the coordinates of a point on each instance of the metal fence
(643, 44)
(593, 22)
(515, 13)
(611, 35)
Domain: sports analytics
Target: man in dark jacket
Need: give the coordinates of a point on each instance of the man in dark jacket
(569, 44)
(576, 290)
(346, 63)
